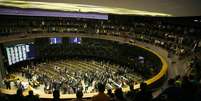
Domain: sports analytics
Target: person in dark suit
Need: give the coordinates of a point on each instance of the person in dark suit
(144, 94)
(32, 97)
(18, 96)
(56, 95)
(7, 83)
(101, 96)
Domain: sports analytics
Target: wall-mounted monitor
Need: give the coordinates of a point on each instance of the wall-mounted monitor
(76, 40)
(55, 40)
(20, 52)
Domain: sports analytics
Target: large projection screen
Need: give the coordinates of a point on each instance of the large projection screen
(20, 52)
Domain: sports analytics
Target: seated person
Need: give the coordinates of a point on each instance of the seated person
(101, 96)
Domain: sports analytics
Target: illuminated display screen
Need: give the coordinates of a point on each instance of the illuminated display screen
(75, 40)
(20, 52)
(55, 40)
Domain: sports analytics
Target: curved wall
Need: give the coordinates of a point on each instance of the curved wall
(152, 81)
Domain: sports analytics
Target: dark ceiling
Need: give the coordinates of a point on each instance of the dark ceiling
(173, 7)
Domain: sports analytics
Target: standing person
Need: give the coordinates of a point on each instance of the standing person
(145, 94)
(56, 95)
(132, 93)
(110, 94)
(18, 96)
(4, 97)
(101, 96)
(173, 92)
(79, 96)
(119, 96)
(32, 97)
(7, 83)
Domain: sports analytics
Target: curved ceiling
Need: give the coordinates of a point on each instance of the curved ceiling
(136, 7)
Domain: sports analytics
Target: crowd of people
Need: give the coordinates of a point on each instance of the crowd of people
(123, 54)
(20, 97)
(69, 81)
(144, 94)
(167, 34)
(185, 88)
(194, 67)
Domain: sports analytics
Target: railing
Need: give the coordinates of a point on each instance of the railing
(150, 81)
